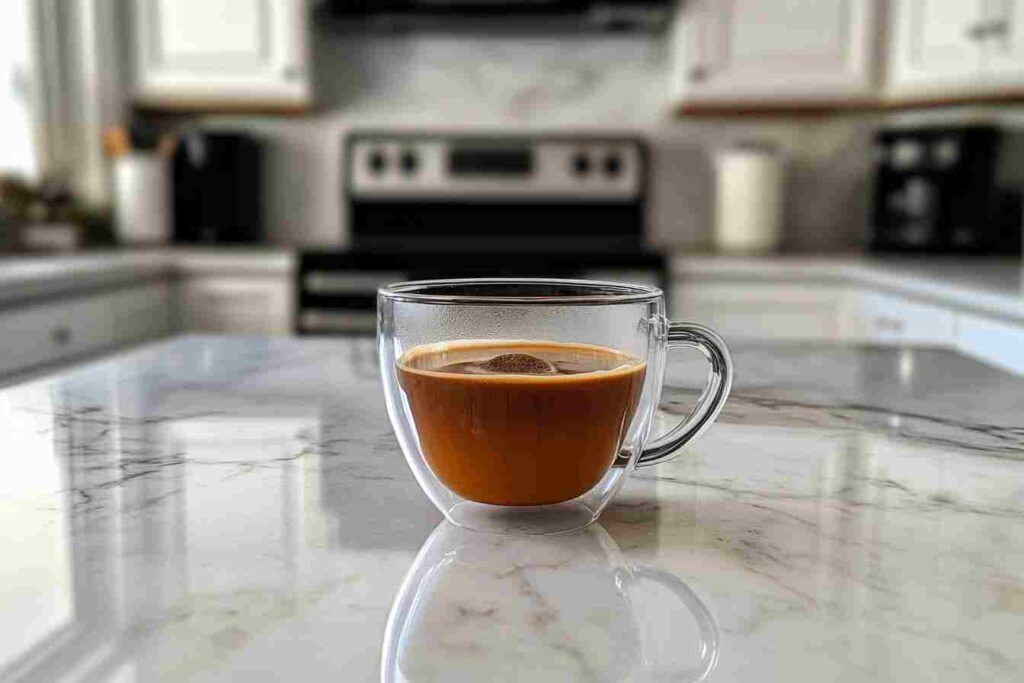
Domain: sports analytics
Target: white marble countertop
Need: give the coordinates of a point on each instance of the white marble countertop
(25, 277)
(237, 509)
(990, 286)
(993, 286)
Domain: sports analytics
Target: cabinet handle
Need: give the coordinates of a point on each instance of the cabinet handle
(996, 28)
(887, 324)
(987, 29)
(698, 74)
(60, 335)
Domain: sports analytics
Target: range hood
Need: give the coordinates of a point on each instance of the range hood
(503, 15)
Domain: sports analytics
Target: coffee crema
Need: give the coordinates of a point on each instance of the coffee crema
(520, 422)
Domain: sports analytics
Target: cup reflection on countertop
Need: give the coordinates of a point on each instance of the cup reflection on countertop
(477, 606)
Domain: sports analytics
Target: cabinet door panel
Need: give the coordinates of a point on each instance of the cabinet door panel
(143, 313)
(879, 318)
(1004, 42)
(936, 43)
(765, 34)
(761, 311)
(791, 49)
(236, 306)
(993, 341)
(30, 337)
(212, 34)
(40, 334)
(221, 50)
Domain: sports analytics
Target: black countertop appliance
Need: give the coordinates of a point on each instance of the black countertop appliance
(218, 183)
(953, 190)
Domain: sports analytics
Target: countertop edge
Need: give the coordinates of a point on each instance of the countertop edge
(33, 278)
(30, 278)
(931, 282)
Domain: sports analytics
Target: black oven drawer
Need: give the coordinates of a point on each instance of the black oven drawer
(338, 290)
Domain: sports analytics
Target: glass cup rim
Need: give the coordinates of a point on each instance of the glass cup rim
(447, 291)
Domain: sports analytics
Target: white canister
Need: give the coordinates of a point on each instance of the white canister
(142, 195)
(748, 198)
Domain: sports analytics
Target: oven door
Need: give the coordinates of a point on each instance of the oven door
(338, 291)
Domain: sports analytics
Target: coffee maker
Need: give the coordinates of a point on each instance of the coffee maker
(954, 190)
(217, 188)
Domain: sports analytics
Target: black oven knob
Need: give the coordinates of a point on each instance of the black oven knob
(377, 162)
(581, 165)
(612, 166)
(410, 162)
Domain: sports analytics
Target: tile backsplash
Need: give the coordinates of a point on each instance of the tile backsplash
(573, 83)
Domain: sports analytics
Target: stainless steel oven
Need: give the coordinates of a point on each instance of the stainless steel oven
(428, 205)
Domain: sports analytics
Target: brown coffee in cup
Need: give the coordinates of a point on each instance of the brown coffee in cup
(520, 422)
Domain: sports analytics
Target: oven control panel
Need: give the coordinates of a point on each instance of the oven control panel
(419, 166)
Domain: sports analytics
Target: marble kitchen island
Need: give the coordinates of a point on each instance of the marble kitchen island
(238, 509)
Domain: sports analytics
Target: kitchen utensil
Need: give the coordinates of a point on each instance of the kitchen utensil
(116, 142)
(142, 198)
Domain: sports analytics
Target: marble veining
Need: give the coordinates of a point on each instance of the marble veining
(210, 509)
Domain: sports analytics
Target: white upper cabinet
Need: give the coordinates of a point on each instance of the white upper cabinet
(936, 43)
(1003, 40)
(949, 48)
(210, 52)
(784, 50)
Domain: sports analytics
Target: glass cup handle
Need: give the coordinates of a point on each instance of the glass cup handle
(707, 627)
(711, 346)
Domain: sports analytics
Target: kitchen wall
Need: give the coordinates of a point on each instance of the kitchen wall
(572, 83)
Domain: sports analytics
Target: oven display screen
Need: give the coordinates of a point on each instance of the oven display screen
(490, 161)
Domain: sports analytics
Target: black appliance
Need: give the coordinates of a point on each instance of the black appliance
(218, 181)
(946, 190)
(503, 15)
(426, 206)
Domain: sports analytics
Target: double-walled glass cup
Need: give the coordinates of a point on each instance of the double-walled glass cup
(521, 405)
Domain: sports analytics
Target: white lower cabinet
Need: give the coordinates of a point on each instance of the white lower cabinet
(822, 313)
(142, 313)
(994, 341)
(40, 334)
(235, 305)
(879, 318)
(762, 311)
